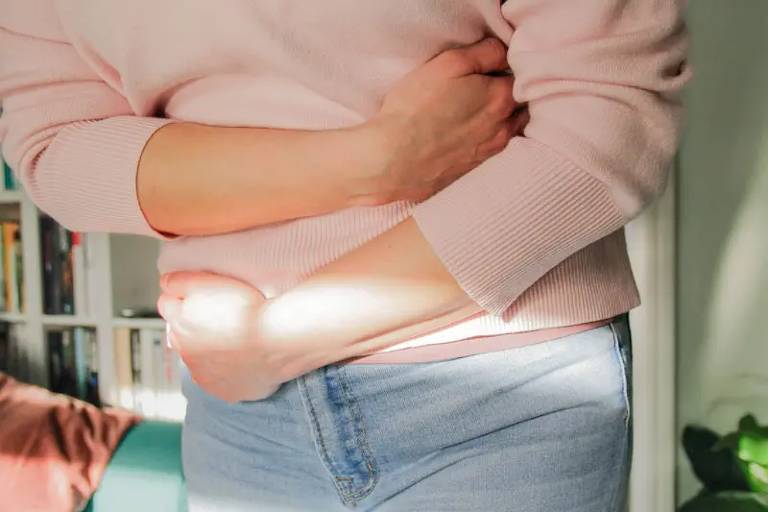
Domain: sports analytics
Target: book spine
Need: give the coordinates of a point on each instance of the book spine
(64, 256)
(55, 360)
(69, 365)
(9, 264)
(79, 276)
(81, 363)
(3, 273)
(19, 257)
(91, 285)
(148, 385)
(158, 372)
(50, 301)
(136, 370)
(123, 379)
(5, 347)
(92, 358)
(12, 231)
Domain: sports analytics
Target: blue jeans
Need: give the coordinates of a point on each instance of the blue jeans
(545, 427)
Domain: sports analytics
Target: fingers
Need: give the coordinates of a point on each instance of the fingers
(178, 335)
(519, 120)
(509, 128)
(512, 127)
(170, 339)
(485, 56)
(501, 99)
(170, 309)
(168, 306)
(183, 283)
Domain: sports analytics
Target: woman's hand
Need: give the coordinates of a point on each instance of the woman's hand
(445, 118)
(211, 323)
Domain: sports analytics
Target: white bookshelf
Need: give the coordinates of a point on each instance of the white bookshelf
(121, 273)
(10, 196)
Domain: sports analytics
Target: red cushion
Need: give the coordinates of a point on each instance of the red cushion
(53, 448)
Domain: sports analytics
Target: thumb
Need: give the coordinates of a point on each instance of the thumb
(485, 56)
(169, 307)
(183, 283)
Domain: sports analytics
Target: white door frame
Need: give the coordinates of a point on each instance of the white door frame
(651, 239)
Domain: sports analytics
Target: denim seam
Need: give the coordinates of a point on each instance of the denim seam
(617, 350)
(318, 434)
(623, 453)
(361, 438)
(348, 496)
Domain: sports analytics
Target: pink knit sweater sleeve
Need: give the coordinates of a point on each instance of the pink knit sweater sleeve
(602, 80)
(70, 136)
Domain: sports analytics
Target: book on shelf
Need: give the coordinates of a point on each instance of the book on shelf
(12, 297)
(14, 359)
(147, 376)
(73, 362)
(65, 265)
(80, 274)
(123, 363)
(87, 364)
(145, 372)
(5, 347)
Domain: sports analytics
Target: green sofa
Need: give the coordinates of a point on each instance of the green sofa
(144, 473)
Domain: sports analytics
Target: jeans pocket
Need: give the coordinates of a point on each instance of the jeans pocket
(622, 339)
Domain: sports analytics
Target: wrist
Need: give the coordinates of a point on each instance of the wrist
(375, 141)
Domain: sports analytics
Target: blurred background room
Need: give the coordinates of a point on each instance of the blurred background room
(83, 358)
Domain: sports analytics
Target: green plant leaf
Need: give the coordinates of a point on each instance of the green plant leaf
(753, 448)
(718, 470)
(750, 442)
(731, 501)
(748, 425)
(748, 422)
(757, 477)
(729, 441)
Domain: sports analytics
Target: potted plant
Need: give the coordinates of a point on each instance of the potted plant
(733, 468)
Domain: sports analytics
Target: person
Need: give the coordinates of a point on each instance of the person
(393, 253)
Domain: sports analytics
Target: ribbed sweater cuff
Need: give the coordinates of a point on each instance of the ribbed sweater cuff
(87, 176)
(505, 224)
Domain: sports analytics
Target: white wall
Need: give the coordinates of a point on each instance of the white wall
(135, 280)
(722, 265)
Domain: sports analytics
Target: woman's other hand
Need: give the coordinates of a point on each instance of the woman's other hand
(210, 319)
(445, 118)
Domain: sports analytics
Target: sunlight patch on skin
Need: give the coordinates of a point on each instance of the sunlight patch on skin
(217, 311)
(316, 306)
(326, 306)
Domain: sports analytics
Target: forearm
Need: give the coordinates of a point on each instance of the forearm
(197, 179)
(385, 291)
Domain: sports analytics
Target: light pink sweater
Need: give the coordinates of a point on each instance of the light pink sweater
(534, 234)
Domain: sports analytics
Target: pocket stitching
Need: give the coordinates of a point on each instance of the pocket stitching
(624, 374)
